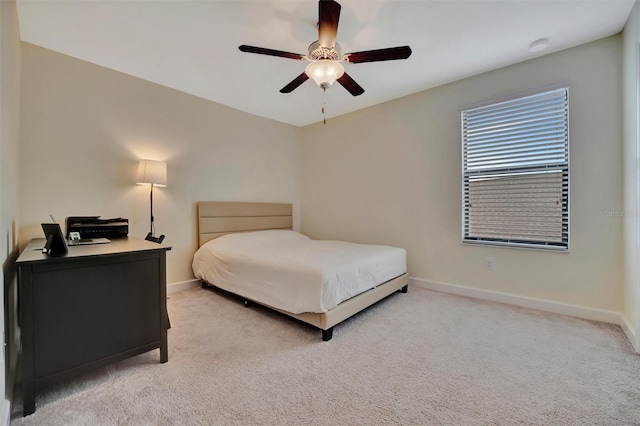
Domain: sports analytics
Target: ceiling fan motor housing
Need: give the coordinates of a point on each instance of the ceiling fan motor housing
(317, 52)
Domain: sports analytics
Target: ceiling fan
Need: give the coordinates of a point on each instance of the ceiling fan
(325, 56)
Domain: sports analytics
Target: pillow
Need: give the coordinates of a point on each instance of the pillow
(258, 238)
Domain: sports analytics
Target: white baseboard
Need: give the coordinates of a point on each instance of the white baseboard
(578, 311)
(6, 413)
(630, 332)
(183, 285)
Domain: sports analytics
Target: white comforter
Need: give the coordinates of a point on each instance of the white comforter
(291, 272)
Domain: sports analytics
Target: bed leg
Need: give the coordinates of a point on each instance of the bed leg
(203, 284)
(327, 334)
(247, 303)
(405, 288)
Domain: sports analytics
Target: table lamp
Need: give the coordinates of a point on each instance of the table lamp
(152, 173)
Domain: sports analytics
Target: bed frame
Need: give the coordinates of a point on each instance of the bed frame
(217, 218)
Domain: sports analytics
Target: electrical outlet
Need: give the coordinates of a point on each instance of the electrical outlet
(488, 263)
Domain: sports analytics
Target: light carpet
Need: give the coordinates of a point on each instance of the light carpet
(423, 358)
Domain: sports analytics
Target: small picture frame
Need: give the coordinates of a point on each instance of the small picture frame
(56, 244)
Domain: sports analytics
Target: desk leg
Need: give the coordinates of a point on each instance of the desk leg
(164, 321)
(26, 325)
(28, 399)
(164, 350)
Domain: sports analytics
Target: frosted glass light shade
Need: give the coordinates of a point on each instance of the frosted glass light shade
(152, 172)
(324, 72)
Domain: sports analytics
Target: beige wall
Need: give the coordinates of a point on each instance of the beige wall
(9, 143)
(631, 122)
(84, 128)
(391, 174)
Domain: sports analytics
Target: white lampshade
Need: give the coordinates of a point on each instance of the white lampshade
(152, 172)
(324, 72)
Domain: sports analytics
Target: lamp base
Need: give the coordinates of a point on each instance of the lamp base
(150, 237)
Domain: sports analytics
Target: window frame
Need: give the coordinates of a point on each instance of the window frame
(563, 248)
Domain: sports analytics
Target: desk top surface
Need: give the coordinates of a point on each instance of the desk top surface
(33, 251)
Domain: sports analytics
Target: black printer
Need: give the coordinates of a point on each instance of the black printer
(94, 227)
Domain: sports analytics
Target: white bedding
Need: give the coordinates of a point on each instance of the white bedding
(289, 271)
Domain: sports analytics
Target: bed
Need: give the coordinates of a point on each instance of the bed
(318, 282)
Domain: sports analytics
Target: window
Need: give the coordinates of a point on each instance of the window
(516, 172)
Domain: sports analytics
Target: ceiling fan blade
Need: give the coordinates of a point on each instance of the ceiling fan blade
(294, 83)
(329, 14)
(348, 83)
(389, 54)
(270, 52)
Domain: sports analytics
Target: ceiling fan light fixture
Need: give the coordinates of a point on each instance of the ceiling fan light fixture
(324, 72)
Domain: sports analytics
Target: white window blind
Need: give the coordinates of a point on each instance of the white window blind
(516, 172)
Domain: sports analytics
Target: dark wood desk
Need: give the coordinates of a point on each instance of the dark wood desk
(96, 305)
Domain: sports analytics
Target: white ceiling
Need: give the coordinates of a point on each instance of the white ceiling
(192, 46)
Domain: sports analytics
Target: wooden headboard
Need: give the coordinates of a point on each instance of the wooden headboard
(217, 218)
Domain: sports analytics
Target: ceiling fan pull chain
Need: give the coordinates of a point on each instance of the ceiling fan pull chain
(324, 118)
